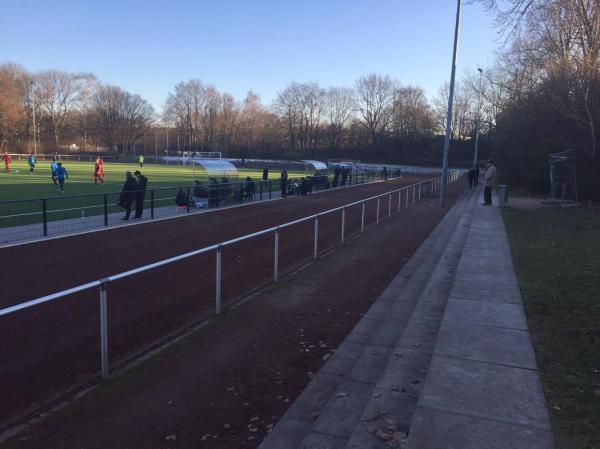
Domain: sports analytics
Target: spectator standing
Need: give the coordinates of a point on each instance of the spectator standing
(489, 181)
(140, 193)
(471, 178)
(61, 173)
(385, 174)
(265, 174)
(336, 177)
(31, 160)
(284, 183)
(7, 161)
(344, 176)
(476, 175)
(127, 194)
(250, 189)
(54, 170)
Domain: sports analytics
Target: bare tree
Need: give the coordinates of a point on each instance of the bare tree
(250, 120)
(85, 105)
(121, 118)
(412, 116)
(339, 104)
(59, 94)
(301, 107)
(375, 96)
(212, 104)
(185, 108)
(14, 86)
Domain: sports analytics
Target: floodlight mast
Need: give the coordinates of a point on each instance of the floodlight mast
(33, 112)
(478, 122)
(449, 117)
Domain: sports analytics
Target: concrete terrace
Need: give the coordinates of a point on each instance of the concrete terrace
(443, 359)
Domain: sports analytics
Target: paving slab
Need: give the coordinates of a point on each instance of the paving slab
(320, 441)
(486, 343)
(509, 394)
(343, 410)
(437, 429)
(486, 313)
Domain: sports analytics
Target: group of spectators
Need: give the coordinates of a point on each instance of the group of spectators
(134, 190)
(345, 173)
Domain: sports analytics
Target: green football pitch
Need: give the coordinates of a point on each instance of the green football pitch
(20, 184)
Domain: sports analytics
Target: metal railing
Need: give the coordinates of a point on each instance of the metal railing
(411, 193)
(42, 217)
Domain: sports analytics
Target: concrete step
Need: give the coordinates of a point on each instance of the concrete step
(388, 415)
(336, 402)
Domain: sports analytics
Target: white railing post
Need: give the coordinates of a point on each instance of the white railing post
(218, 282)
(343, 224)
(377, 220)
(406, 206)
(414, 194)
(390, 205)
(399, 198)
(362, 218)
(419, 192)
(276, 257)
(103, 329)
(316, 248)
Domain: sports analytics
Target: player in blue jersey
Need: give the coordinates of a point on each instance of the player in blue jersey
(53, 169)
(61, 173)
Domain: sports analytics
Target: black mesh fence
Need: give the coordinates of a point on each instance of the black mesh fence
(37, 218)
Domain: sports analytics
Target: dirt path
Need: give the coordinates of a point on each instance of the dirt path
(224, 386)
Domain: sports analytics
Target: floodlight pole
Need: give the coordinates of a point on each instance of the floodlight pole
(478, 122)
(33, 107)
(449, 117)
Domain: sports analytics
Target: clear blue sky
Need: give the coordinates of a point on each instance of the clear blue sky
(146, 47)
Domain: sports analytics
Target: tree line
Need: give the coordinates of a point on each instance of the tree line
(376, 117)
(543, 92)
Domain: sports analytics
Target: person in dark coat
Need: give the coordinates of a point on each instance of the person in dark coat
(476, 175)
(265, 174)
(250, 189)
(128, 194)
(385, 174)
(336, 177)
(181, 199)
(471, 178)
(284, 183)
(306, 186)
(140, 193)
(344, 176)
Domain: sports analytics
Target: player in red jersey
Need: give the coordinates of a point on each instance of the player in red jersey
(7, 161)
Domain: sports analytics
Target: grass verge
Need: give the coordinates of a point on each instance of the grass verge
(557, 259)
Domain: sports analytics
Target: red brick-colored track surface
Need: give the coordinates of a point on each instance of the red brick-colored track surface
(55, 345)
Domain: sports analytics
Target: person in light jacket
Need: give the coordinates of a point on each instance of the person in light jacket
(489, 181)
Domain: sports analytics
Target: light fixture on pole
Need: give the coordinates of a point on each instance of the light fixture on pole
(478, 122)
(449, 117)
